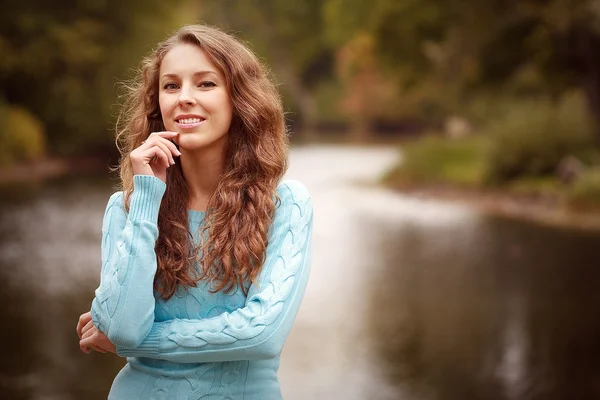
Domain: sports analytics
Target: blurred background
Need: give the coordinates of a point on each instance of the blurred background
(452, 151)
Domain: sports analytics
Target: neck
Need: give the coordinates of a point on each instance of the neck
(202, 170)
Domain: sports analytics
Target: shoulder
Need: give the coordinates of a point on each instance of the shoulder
(115, 209)
(117, 199)
(294, 200)
(292, 191)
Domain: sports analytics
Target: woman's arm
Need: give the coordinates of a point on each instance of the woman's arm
(123, 307)
(259, 329)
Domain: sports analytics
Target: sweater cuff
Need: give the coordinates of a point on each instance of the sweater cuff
(147, 195)
(150, 345)
(97, 317)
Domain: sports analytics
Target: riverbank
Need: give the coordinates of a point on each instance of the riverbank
(541, 209)
(52, 168)
(505, 180)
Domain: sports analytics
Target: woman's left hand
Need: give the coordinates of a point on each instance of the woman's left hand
(93, 338)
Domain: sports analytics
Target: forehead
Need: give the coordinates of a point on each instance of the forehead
(186, 59)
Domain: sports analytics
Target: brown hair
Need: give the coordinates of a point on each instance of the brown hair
(234, 235)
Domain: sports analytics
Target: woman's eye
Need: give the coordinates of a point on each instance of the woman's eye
(207, 84)
(170, 86)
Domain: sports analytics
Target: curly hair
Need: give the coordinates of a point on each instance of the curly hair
(233, 240)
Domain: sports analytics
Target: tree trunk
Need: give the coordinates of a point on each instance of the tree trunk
(592, 92)
(586, 61)
(306, 104)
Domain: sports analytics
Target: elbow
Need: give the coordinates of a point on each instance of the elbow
(267, 349)
(129, 334)
(126, 333)
(124, 339)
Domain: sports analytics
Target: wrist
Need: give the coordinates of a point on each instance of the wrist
(147, 195)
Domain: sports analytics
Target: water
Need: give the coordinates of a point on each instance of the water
(408, 299)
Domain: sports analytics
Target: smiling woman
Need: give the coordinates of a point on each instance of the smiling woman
(194, 98)
(205, 251)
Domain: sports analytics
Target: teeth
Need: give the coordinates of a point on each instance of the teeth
(190, 121)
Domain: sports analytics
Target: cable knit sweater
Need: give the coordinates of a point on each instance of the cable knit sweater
(198, 344)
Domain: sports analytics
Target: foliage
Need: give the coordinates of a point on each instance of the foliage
(350, 61)
(549, 186)
(435, 160)
(534, 136)
(22, 137)
(289, 36)
(61, 61)
(465, 49)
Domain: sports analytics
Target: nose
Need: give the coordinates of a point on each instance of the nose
(186, 97)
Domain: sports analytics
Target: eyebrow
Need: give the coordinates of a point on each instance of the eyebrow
(199, 73)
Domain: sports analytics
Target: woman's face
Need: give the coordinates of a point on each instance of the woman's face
(193, 99)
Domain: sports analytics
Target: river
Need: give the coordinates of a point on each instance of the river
(408, 298)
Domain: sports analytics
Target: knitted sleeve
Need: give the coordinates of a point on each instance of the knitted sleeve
(259, 329)
(123, 306)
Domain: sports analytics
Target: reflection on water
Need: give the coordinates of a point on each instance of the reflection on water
(49, 263)
(407, 299)
(503, 311)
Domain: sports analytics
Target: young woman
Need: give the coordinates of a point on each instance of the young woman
(205, 252)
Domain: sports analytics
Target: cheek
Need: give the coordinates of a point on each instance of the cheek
(226, 110)
(166, 109)
(219, 104)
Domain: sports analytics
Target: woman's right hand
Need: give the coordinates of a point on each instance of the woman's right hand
(155, 155)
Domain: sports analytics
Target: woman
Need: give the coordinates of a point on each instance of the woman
(205, 253)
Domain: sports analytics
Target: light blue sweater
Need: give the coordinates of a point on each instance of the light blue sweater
(198, 344)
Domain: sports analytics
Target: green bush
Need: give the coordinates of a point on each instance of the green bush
(438, 160)
(584, 194)
(534, 136)
(22, 138)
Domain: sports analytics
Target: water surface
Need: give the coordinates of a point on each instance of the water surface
(408, 299)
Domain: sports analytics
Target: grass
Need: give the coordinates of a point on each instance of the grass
(464, 163)
(434, 160)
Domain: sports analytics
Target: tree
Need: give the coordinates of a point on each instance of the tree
(61, 61)
(290, 36)
(464, 47)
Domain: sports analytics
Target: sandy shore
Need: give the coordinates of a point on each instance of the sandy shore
(540, 209)
(51, 168)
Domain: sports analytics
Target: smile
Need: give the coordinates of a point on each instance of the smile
(189, 122)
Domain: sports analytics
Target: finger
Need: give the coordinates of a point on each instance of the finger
(86, 343)
(86, 328)
(90, 344)
(170, 145)
(99, 349)
(163, 146)
(89, 333)
(83, 320)
(84, 349)
(156, 155)
(166, 135)
(79, 328)
(153, 155)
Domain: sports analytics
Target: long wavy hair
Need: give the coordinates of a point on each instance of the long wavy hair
(233, 242)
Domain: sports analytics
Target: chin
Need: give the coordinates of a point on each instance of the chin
(195, 141)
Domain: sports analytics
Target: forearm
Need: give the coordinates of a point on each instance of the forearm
(123, 307)
(255, 332)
